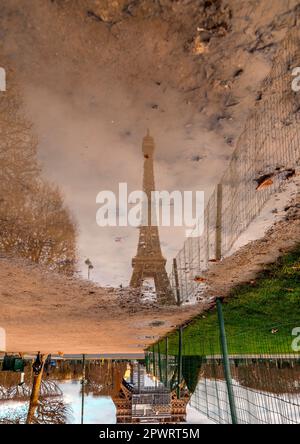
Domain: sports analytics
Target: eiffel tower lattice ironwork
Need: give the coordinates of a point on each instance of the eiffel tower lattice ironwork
(149, 261)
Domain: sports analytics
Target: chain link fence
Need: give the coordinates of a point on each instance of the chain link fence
(267, 154)
(233, 375)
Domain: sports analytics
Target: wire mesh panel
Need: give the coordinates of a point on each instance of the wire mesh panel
(266, 155)
(260, 397)
(240, 359)
(264, 372)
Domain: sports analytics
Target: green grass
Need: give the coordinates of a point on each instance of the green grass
(251, 312)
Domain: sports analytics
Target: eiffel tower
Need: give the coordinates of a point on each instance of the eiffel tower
(149, 261)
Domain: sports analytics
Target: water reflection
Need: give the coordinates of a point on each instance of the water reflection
(54, 390)
(143, 398)
(161, 388)
(266, 390)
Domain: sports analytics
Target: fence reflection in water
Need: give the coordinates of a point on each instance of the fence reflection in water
(265, 379)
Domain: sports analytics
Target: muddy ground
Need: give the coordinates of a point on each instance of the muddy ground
(48, 312)
(189, 69)
(44, 311)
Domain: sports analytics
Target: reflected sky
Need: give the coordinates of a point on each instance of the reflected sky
(97, 410)
(90, 107)
(92, 88)
(100, 410)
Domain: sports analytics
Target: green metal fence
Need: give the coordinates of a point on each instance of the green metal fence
(236, 376)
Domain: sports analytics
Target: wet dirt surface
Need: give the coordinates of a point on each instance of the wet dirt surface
(41, 310)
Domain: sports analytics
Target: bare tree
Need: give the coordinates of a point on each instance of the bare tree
(36, 387)
(34, 221)
(104, 379)
(51, 239)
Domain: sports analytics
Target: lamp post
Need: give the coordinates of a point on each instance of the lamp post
(90, 267)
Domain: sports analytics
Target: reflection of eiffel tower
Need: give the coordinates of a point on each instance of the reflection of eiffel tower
(149, 261)
(137, 402)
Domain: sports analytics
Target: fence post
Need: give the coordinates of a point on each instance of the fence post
(175, 268)
(154, 361)
(179, 364)
(219, 222)
(167, 360)
(226, 363)
(83, 388)
(159, 362)
(147, 361)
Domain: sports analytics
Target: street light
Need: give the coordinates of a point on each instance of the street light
(90, 266)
